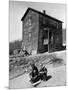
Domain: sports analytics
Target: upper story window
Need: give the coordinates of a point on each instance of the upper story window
(60, 25)
(57, 25)
(28, 22)
(52, 23)
(44, 20)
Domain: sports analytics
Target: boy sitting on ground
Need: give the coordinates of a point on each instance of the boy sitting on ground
(34, 73)
(43, 72)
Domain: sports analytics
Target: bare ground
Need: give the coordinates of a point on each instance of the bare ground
(57, 71)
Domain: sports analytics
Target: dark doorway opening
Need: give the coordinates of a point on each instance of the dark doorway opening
(45, 40)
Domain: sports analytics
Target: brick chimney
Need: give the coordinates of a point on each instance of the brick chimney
(44, 11)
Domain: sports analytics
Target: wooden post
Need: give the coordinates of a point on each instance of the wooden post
(48, 40)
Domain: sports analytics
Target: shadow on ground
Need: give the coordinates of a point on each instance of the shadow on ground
(48, 77)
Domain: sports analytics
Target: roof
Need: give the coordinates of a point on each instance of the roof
(39, 13)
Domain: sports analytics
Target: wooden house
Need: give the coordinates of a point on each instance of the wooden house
(41, 32)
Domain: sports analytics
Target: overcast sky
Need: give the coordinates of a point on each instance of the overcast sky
(18, 8)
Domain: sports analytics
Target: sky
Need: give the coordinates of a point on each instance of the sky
(18, 8)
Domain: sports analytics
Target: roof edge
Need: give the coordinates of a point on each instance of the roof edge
(40, 13)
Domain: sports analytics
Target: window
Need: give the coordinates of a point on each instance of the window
(29, 22)
(52, 39)
(29, 36)
(45, 41)
(46, 29)
(60, 25)
(57, 25)
(44, 22)
(45, 37)
(57, 37)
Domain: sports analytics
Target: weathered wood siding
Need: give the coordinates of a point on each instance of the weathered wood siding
(30, 31)
(55, 35)
(36, 28)
(42, 33)
(54, 29)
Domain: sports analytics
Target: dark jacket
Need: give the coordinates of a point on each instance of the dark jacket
(43, 69)
(34, 71)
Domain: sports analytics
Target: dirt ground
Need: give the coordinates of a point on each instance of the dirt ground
(56, 74)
